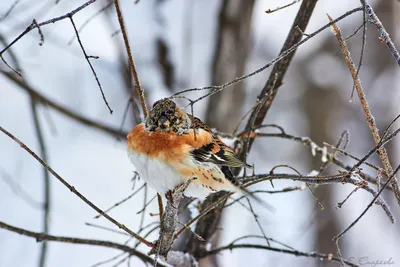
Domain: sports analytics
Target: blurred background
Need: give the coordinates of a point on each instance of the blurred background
(179, 44)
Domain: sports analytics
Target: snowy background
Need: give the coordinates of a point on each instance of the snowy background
(97, 164)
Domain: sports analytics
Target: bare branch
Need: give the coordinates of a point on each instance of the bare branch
(90, 64)
(275, 79)
(385, 38)
(73, 240)
(321, 180)
(170, 220)
(316, 255)
(269, 11)
(337, 238)
(121, 201)
(368, 114)
(217, 88)
(50, 21)
(84, 24)
(139, 89)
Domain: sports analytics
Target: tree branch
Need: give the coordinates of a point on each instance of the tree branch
(278, 72)
(316, 255)
(139, 89)
(34, 25)
(384, 34)
(74, 240)
(367, 111)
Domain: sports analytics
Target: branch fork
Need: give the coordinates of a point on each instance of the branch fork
(169, 221)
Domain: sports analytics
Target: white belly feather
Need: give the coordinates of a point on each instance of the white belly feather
(162, 177)
(155, 172)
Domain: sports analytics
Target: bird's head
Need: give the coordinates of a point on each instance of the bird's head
(166, 116)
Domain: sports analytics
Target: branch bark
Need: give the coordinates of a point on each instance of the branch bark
(74, 240)
(170, 221)
(136, 84)
(278, 72)
(382, 31)
(367, 111)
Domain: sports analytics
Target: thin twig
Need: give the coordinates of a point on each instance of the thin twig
(255, 216)
(353, 157)
(337, 238)
(385, 38)
(281, 250)
(73, 240)
(139, 89)
(88, 20)
(364, 44)
(368, 115)
(39, 32)
(108, 260)
(50, 21)
(279, 70)
(217, 88)
(320, 180)
(203, 212)
(160, 207)
(90, 64)
(107, 229)
(269, 11)
(314, 150)
(144, 208)
(121, 201)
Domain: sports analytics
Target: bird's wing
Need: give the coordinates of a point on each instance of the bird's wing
(216, 151)
(219, 153)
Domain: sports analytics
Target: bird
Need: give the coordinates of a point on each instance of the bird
(172, 147)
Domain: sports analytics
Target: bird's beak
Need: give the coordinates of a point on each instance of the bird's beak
(163, 122)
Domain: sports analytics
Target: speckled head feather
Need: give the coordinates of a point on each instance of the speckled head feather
(166, 116)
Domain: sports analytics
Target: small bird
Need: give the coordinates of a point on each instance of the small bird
(172, 147)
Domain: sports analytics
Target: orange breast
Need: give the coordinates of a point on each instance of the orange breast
(168, 146)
